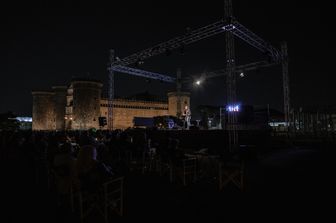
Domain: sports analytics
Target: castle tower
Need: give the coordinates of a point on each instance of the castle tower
(86, 103)
(59, 106)
(177, 103)
(43, 110)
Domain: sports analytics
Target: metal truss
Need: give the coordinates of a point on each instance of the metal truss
(285, 81)
(175, 43)
(143, 73)
(110, 93)
(202, 33)
(253, 66)
(238, 69)
(254, 40)
(232, 28)
(207, 75)
(231, 79)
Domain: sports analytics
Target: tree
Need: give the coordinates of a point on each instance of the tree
(8, 122)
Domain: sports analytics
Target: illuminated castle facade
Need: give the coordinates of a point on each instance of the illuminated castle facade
(79, 105)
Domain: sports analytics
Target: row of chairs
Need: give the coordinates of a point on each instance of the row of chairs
(105, 200)
(151, 161)
(228, 172)
(109, 198)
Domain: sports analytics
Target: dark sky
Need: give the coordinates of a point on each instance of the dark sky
(49, 43)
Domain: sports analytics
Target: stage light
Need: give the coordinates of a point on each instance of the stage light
(228, 27)
(198, 82)
(242, 74)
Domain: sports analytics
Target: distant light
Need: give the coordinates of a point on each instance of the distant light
(24, 119)
(233, 108)
(198, 82)
(242, 74)
(276, 124)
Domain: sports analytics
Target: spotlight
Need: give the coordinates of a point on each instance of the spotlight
(242, 74)
(198, 82)
(139, 62)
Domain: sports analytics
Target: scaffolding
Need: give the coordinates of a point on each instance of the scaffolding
(232, 28)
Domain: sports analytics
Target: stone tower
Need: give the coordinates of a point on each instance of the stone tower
(177, 102)
(86, 103)
(43, 110)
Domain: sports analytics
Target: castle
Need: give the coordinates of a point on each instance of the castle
(79, 105)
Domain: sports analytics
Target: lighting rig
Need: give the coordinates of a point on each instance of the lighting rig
(231, 27)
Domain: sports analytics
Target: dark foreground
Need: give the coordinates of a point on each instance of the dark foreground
(282, 184)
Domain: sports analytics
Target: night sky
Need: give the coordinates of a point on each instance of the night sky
(48, 44)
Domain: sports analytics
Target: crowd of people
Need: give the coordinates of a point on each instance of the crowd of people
(56, 161)
(90, 156)
(52, 160)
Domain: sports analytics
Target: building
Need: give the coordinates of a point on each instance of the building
(247, 116)
(79, 106)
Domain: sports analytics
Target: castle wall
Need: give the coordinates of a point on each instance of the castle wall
(43, 110)
(79, 107)
(59, 105)
(124, 111)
